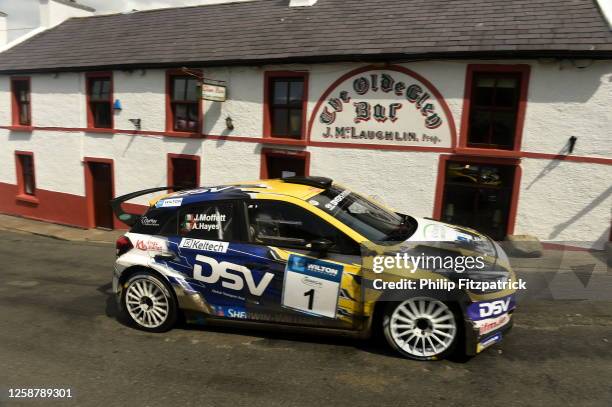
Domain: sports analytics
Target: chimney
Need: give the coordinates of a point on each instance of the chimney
(54, 12)
(3, 31)
(302, 3)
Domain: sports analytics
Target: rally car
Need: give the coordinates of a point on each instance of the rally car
(298, 252)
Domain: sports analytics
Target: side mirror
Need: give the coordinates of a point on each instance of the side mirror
(321, 245)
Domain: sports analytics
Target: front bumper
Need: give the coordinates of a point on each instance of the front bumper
(476, 342)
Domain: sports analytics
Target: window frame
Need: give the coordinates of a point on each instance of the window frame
(269, 78)
(246, 224)
(22, 195)
(89, 77)
(267, 152)
(16, 105)
(523, 73)
(170, 168)
(170, 131)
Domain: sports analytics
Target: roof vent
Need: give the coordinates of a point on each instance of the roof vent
(302, 3)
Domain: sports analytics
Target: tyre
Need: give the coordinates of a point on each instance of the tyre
(421, 328)
(148, 303)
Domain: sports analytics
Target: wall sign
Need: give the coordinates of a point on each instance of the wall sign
(386, 106)
(214, 92)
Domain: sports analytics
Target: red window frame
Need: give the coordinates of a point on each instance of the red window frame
(16, 104)
(269, 78)
(266, 152)
(170, 166)
(522, 71)
(89, 78)
(22, 187)
(170, 130)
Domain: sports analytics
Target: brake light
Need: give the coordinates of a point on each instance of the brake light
(123, 245)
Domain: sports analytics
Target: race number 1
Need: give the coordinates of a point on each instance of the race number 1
(312, 286)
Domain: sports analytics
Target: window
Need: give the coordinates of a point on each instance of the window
(22, 115)
(495, 106)
(185, 104)
(208, 222)
(100, 101)
(286, 105)
(285, 225)
(372, 221)
(183, 171)
(25, 173)
(283, 163)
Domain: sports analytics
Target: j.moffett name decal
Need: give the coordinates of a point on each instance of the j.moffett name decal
(392, 106)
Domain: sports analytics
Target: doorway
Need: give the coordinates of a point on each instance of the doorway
(99, 191)
(481, 196)
(284, 163)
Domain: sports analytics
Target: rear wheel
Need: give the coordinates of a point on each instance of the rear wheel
(148, 303)
(421, 328)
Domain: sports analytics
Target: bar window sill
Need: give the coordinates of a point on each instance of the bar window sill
(285, 140)
(27, 198)
(21, 128)
(495, 152)
(185, 134)
(104, 130)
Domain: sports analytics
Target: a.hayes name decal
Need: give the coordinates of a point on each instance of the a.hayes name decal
(390, 105)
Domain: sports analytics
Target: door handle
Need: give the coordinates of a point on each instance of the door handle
(164, 257)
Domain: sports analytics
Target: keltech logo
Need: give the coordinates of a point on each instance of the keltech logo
(230, 280)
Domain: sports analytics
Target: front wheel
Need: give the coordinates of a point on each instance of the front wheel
(148, 303)
(421, 328)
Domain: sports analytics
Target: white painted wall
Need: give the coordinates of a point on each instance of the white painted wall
(53, 13)
(563, 100)
(3, 31)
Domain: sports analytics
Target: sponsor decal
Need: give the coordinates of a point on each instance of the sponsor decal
(169, 203)
(201, 191)
(230, 312)
(150, 245)
(233, 275)
(148, 221)
(392, 106)
(489, 309)
(339, 198)
(488, 342)
(204, 245)
(489, 325)
(203, 222)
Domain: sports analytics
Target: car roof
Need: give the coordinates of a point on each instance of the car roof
(244, 190)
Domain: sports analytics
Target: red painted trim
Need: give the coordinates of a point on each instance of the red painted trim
(90, 120)
(396, 68)
(170, 167)
(303, 143)
(524, 71)
(266, 152)
(516, 184)
(15, 104)
(267, 121)
(55, 207)
(21, 194)
(170, 132)
(89, 198)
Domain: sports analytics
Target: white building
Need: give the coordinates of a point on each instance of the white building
(496, 116)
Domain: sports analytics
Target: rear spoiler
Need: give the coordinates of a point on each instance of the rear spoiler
(131, 218)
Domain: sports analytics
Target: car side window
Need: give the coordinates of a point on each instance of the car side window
(213, 221)
(287, 225)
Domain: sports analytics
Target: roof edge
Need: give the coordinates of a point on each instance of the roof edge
(333, 58)
(75, 5)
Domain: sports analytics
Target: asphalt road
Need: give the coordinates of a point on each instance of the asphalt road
(58, 329)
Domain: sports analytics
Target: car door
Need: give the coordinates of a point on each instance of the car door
(302, 286)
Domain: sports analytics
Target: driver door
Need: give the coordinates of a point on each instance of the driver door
(309, 287)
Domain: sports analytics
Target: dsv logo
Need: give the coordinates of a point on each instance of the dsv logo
(493, 308)
(230, 280)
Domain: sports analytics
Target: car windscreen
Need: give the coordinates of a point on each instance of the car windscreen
(372, 221)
